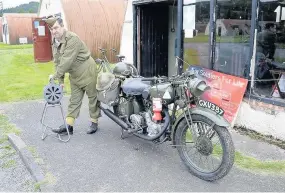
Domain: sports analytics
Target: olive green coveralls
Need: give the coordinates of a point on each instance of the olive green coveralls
(72, 56)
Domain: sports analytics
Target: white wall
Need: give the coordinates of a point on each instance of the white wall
(260, 121)
(6, 40)
(63, 17)
(6, 37)
(126, 47)
(51, 7)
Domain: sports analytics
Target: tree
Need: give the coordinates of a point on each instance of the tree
(21, 10)
(31, 7)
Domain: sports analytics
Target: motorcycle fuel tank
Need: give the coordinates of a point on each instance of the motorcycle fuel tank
(164, 91)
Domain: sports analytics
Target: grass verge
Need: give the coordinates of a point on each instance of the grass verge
(253, 164)
(11, 47)
(49, 179)
(8, 150)
(5, 129)
(250, 163)
(5, 147)
(20, 77)
(9, 164)
(258, 136)
(202, 38)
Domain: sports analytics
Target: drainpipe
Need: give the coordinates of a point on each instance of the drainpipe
(135, 31)
(179, 51)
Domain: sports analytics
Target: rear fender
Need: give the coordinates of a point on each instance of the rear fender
(218, 120)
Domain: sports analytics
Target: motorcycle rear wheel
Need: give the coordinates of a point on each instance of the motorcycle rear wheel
(204, 148)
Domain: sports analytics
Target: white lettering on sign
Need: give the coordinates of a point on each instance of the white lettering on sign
(225, 79)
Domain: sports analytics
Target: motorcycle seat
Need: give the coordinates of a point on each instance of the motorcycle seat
(134, 86)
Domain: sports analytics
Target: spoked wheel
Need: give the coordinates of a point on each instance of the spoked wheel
(207, 151)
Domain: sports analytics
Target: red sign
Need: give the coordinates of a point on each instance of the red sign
(226, 91)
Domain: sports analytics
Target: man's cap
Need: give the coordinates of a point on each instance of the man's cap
(51, 21)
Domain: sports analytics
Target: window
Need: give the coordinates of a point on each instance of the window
(270, 50)
(233, 23)
(196, 21)
(232, 45)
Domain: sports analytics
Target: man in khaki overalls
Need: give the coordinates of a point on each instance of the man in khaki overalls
(72, 56)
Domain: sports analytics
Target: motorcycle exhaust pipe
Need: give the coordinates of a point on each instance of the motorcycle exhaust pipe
(115, 118)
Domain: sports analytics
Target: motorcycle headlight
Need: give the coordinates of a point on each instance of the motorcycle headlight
(198, 87)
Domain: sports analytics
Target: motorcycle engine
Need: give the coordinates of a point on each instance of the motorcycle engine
(153, 128)
(137, 120)
(134, 112)
(145, 120)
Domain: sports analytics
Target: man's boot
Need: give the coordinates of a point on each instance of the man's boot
(62, 129)
(93, 128)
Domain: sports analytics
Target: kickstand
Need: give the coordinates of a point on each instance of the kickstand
(123, 135)
(158, 141)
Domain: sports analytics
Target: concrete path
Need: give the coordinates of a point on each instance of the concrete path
(104, 162)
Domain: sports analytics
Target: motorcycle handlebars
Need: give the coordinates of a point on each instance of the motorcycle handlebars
(173, 78)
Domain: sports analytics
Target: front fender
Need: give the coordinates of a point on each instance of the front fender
(218, 120)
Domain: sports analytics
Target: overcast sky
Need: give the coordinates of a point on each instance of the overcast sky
(14, 3)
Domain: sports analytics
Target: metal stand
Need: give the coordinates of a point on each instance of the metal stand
(44, 126)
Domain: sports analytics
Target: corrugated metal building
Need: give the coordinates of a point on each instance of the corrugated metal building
(98, 23)
(17, 26)
(1, 40)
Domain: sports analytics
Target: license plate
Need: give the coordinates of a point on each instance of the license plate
(211, 106)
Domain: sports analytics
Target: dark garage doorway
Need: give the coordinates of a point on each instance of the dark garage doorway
(153, 26)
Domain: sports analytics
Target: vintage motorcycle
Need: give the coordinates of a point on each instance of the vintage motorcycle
(142, 107)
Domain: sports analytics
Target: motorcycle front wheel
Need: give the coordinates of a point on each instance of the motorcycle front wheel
(217, 158)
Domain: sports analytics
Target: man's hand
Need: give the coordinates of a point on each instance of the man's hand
(50, 78)
(62, 86)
